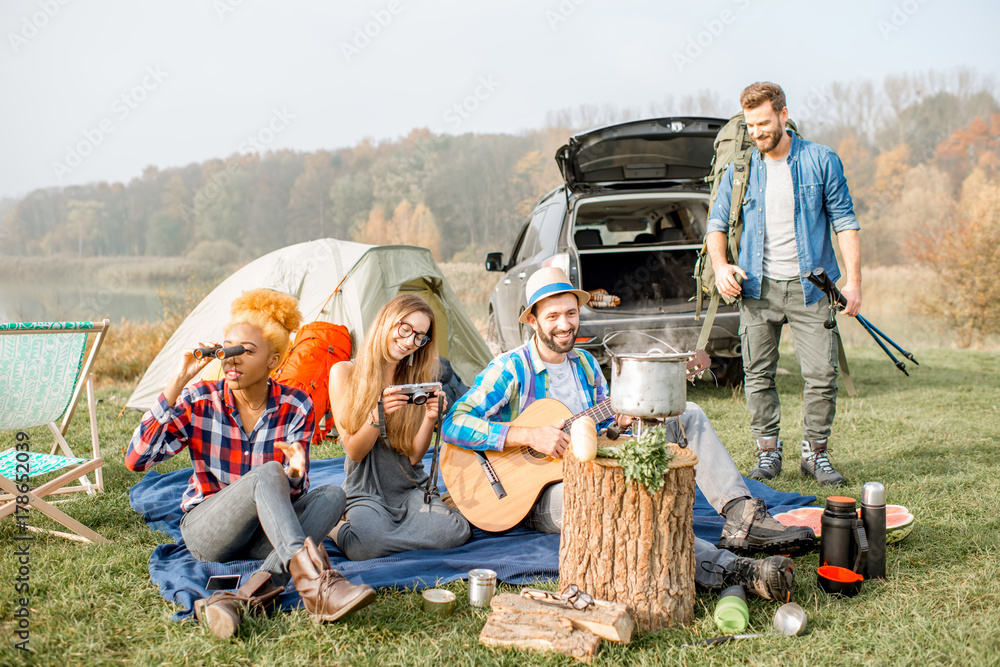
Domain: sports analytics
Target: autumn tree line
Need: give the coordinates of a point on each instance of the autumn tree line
(921, 153)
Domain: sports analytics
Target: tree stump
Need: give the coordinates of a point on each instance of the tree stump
(623, 544)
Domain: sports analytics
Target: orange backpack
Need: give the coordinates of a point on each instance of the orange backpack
(318, 346)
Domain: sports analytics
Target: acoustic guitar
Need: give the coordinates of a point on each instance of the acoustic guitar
(496, 490)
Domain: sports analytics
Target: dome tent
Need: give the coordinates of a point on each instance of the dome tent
(335, 281)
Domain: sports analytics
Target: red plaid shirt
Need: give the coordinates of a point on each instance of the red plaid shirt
(205, 420)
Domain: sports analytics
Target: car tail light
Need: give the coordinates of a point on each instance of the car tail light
(560, 261)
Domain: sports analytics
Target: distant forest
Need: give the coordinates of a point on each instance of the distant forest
(909, 145)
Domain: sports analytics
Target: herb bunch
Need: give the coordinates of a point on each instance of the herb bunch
(645, 459)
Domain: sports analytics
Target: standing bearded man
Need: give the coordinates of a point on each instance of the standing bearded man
(795, 195)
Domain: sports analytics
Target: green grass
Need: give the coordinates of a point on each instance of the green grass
(932, 439)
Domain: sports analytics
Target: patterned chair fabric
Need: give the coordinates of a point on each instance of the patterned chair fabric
(42, 374)
(38, 374)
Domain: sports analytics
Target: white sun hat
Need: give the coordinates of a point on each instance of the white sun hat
(547, 282)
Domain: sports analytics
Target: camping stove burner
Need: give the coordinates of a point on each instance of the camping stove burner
(640, 424)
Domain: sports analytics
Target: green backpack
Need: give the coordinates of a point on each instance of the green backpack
(733, 145)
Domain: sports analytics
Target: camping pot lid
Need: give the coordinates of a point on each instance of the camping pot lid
(654, 354)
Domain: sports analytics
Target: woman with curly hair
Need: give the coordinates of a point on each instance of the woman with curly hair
(249, 496)
(386, 512)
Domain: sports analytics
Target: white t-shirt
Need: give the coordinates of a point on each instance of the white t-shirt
(564, 386)
(780, 260)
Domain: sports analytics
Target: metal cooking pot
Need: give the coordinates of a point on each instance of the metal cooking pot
(651, 384)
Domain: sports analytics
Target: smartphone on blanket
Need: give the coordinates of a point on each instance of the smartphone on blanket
(223, 582)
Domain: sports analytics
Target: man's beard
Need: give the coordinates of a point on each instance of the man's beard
(550, 342)
(769, 141)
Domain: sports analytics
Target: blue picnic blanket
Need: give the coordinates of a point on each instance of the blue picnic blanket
(519, 556)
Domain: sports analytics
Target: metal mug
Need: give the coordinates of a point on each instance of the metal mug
(482, 584)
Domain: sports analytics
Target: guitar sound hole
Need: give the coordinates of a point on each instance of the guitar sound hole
(535, 454)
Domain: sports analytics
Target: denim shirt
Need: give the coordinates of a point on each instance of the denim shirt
(821, 201)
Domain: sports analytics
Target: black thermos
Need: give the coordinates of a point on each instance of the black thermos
(873, 519)
(842, 539)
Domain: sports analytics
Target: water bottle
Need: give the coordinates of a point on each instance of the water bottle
(843, 542)
(873, 519)
(731, 613)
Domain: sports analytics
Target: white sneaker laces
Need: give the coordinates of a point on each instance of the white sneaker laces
(823, 462)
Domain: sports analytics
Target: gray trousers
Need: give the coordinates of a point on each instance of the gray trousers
(715, 473)
(371, 530)
(255, 517)
(761, 320)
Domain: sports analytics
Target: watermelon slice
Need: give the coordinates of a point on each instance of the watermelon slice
(898, 521)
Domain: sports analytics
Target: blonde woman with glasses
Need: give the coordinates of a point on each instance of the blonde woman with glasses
(386, 508)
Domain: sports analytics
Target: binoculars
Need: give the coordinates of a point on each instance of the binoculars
(218, 351)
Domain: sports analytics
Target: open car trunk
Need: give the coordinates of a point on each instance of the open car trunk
(641, 248)
(646, 281)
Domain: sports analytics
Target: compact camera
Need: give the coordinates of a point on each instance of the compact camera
(418, 393)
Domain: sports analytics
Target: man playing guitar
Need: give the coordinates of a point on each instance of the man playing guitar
(548, 366)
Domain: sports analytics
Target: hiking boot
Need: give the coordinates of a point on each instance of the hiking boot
(326, 593)
(771, 578)
(768, 459)
(750, 528)
(222, 611)
(816, 463)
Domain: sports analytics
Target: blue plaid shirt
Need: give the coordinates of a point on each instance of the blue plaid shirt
(511, 383)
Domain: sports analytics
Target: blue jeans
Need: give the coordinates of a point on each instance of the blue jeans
(255, 518)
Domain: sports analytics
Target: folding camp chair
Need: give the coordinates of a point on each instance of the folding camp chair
(42, 374)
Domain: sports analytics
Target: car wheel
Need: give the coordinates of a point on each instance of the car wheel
(493, 335)
(728, 371)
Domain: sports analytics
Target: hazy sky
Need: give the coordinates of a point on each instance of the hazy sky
(99, 90)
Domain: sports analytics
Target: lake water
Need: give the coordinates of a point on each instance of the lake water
(40, 302)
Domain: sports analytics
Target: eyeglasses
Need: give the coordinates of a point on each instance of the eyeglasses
(419, 339)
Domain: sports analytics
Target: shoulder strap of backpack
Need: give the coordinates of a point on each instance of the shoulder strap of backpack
(741, 177)
(706, 327)
(844, 371)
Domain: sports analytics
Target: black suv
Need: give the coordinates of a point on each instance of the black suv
(630, 220)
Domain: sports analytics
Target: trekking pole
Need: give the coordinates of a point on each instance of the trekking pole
(899, 364)
(838, 301)
(866, 323)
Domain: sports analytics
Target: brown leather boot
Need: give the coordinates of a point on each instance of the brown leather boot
(221, 611)
(326, 594)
